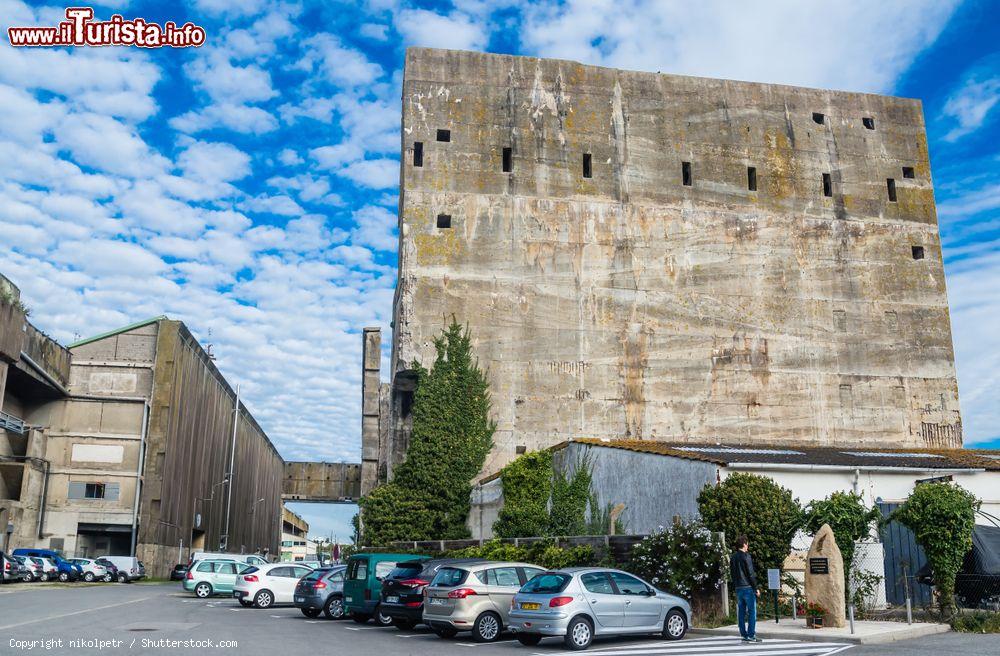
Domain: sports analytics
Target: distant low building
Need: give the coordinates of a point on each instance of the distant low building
(295, 545)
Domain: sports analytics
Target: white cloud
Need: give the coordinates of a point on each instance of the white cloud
(853, 45)
(457, 31)
(374, 31)
(372, 173)
(225, 82)
(376, 227)
(107, 257)
(289, 157)
(969, 106)
(108, 145)
(243, 119)
(277, 204)
(337, 63)
(214, 162)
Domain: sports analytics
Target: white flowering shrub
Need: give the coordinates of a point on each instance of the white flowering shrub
(684, 559)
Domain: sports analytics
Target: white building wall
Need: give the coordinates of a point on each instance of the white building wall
(814, 483)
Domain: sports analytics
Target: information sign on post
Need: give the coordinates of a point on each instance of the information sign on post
(774, 584)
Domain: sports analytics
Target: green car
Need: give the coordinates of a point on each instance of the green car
(208, 577)
(363, 584)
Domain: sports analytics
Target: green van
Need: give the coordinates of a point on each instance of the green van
(363, 584)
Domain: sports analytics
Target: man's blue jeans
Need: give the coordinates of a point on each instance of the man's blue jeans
(746, 604)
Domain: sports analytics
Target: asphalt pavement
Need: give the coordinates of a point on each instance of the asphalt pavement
(139, 619)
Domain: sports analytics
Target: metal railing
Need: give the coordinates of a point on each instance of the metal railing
(12, 424)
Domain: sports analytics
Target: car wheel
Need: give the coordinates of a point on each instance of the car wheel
(263, 599)
(446, 632)
(529, 639)
(107, 578)
(89, 577)
(203, 590)
(382, 619)
(311, 613)
(27, 578)
(404, 625)
(360, 618)
(487, 627)
(334, 608)
(122, 578)
(579, 634)
(43, 578)
(63, 577)
(674, 625)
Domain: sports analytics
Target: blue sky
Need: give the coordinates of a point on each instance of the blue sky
(249, 187)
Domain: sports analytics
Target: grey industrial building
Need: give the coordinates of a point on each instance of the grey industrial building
(121, 444)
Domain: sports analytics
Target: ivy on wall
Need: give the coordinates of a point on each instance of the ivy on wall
(428, 497)
(541, 500)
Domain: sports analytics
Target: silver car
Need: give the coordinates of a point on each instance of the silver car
(580, 603)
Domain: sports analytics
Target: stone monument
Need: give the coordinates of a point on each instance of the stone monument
(825, 577)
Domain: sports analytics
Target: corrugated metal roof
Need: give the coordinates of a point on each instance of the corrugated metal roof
(117, 331)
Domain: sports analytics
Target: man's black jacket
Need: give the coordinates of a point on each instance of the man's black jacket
(741, 570)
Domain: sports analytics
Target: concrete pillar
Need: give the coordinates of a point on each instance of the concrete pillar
(370, 407)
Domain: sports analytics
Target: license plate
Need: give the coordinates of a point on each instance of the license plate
(237, 594)
(392, 600)
(300, 600)
(435, 601)
(530, 605)
(348, 599)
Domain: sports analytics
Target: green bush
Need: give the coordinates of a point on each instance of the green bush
(755, 506)
(846, 514)
(942, 517)
(570, 500)
(544, 553)
(685, 558)
(976, 622)
(451, 437)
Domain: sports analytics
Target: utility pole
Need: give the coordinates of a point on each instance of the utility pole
(232, 461)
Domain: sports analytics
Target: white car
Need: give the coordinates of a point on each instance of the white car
(47, 570)
(32, 570)
(266, 585)
(92, 571)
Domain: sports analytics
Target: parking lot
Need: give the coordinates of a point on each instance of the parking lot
(148, 618)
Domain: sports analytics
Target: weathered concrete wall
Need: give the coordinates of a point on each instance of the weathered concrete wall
(187, 455)
(322, 481)
(627, 304)
(372, 449)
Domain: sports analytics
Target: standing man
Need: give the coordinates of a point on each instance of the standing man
(745, 583)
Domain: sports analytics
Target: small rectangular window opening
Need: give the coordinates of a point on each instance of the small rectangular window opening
(827, 185)
(908, 172)
(752, 178)
(588, 171)
(890, 186)
(819, 118)
(520, 448)
(418, 153)
(508, 160)
(917, 252)
(869, 122)
(686, 174)
(444, 135)
(444, 221)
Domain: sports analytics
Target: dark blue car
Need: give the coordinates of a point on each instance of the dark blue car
(67, 571)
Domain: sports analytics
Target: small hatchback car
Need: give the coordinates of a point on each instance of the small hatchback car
(322, 591)
(474, 597)
(579, 603)
(266, 585)
(211, 577)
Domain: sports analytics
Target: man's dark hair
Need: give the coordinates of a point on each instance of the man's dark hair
(741, 541)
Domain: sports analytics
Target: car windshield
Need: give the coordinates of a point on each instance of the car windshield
(547, 583)
(449, 577)
(405, 571)
(315, 575)
(249, 570)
